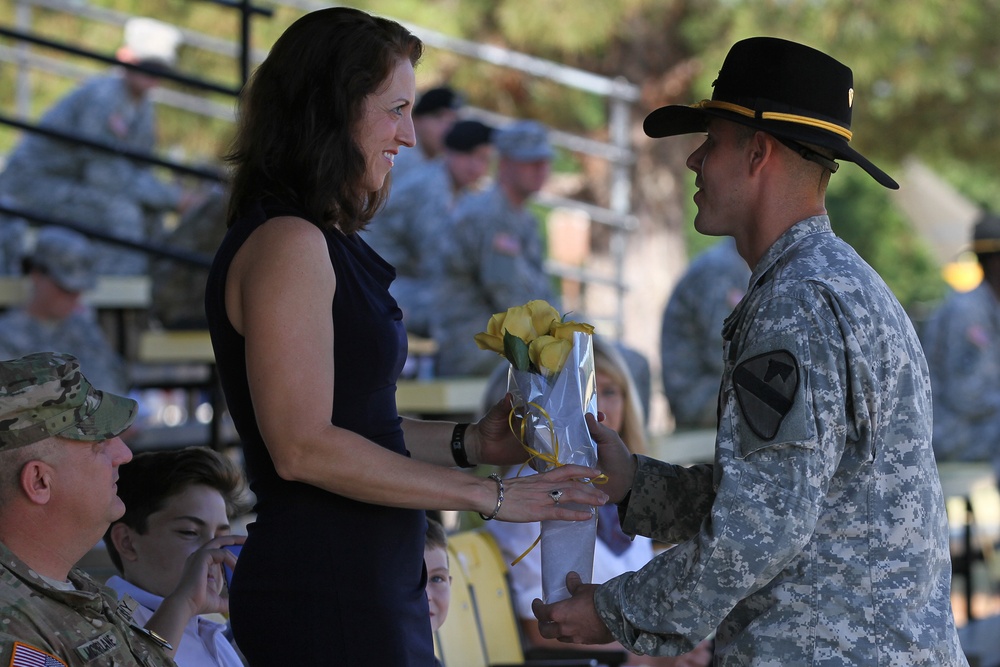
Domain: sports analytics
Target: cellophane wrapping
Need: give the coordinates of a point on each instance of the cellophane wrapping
(553, 410)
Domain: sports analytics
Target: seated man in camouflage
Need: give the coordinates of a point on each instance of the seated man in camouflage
(59, 456)
(60, 269)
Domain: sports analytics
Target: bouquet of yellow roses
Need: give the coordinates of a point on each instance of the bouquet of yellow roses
(552, 381)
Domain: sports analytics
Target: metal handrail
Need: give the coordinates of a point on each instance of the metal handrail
(179, 254)
(84, 53)
(141, 156)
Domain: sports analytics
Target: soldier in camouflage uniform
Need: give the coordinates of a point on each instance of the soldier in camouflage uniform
(112, 193)
(59, 453)
(433, 115)
(61, 268)
(819, 535)
(179, 288)
(60, 449)
(491, 254)
(407, 232)
(691, 334)
(962, 343)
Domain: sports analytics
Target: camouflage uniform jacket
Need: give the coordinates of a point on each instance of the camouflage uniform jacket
(492, 258)
(79, 335)
(101, 109)
(406, 233)
(962, 343)
(691, 334)
(86, 627)
(111, 193)
(819, 535)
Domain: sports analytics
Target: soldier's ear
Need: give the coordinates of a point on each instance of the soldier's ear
(36, 481)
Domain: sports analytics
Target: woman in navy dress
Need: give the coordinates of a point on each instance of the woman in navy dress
(309, 345)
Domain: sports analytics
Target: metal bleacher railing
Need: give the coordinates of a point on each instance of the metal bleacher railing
(617, 151)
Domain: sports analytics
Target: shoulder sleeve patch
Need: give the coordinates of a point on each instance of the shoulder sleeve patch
(765, 388)
(29, 656)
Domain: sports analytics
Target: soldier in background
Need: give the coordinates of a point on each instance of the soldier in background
(179, 288)
(491, 254)
(433, 115)
(110, 192)
(962, 342)
(691, 335)
(406, 233)
(61, 269)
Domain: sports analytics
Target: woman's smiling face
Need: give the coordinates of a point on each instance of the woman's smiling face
(387, 124)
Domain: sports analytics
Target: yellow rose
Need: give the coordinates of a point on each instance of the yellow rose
(486, 341)
(549, 354)
(517, 322)
(565, 330)
(543, 316)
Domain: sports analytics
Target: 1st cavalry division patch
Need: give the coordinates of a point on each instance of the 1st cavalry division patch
(765, 388)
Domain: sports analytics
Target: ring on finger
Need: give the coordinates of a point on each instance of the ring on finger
(556, 495)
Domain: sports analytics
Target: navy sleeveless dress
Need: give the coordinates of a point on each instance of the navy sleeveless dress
(324, 579)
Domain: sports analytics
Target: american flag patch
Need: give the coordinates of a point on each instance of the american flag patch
(29, 656)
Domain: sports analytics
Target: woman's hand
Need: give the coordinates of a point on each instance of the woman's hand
(492, 441)
(531, 498)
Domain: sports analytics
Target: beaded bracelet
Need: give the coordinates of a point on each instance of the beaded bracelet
(458, 447)
(496, 478)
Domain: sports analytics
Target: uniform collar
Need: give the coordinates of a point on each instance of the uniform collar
(817, 224)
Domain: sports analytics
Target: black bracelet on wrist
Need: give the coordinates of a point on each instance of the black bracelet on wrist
(458, 447)
(496, 510)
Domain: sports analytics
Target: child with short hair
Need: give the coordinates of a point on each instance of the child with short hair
(438, 573)
(178, 506)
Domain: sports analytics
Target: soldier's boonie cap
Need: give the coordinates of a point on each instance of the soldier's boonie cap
(986, 234)
(524, 141)
(66, 256)
(45, 394)
(786, 89)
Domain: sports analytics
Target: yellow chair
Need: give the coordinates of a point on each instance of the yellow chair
(458, 643)
(478, 562)
(476, 553)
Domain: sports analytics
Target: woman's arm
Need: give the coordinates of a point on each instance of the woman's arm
(279, 296)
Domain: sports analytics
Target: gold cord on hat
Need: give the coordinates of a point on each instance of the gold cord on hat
(775, 115)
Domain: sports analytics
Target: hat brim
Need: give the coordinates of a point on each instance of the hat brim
(112, 417)
(678, 119)
(530, 156)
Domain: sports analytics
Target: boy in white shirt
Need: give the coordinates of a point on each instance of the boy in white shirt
(178, 509)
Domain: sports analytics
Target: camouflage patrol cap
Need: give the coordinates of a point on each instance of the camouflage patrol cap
(66, 257)
(524, 141)
(45, 394)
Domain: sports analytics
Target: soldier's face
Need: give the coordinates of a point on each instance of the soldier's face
(468, 168)
(527, 178)
(49, 301)
(720, 167)
(86, 481)
(431, 128)
(386, 124)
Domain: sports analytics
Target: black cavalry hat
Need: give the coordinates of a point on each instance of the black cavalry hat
(789, 90)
